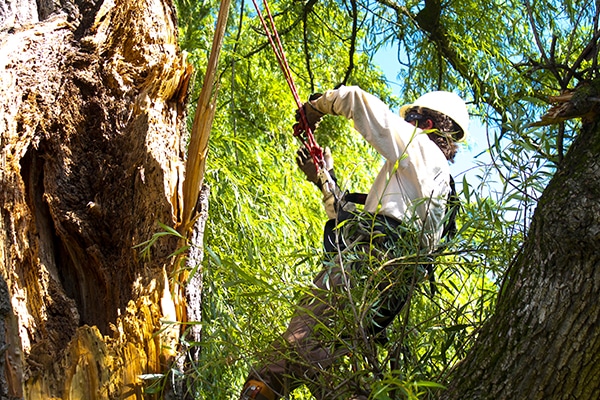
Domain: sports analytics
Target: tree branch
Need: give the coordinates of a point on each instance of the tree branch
(306, 52)
(354, 14)
(429, 21)
(282, 32)
(588, 52)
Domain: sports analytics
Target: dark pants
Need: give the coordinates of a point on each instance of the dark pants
(362, 287)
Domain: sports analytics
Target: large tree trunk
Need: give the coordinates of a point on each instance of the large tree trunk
(91, 127)
(543, 341)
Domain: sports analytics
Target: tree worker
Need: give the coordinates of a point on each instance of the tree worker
(379, 253)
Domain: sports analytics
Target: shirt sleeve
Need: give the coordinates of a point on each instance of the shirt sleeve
(385, 130)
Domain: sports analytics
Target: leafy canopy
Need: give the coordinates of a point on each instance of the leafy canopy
(263, 237)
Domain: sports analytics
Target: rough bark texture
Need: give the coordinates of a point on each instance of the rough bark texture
(192, 282)
(91, 158)
(543, 342)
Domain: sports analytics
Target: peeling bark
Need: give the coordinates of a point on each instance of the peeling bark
(191, 283)
(193, 288)
(91, 134)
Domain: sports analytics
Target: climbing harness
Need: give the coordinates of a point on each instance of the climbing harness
(302, 129)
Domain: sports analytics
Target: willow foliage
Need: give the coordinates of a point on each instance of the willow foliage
(263, 239)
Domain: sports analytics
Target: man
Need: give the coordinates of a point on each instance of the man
(379, 252)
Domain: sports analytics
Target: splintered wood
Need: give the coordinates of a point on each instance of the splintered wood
(92, 129)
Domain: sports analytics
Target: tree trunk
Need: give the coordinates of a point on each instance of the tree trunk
(92, 134)
(543, 341)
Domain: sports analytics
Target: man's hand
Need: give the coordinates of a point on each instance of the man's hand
(313, 116)
(307, 165)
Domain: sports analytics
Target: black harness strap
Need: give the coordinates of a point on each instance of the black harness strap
(452, 207)
(356, 198)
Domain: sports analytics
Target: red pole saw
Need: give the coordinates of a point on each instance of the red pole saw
(302, 129)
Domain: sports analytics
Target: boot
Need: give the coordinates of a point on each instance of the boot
(256, 390)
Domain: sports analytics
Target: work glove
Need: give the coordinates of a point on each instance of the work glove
(324, 179)
(307, 165)
(313, 116)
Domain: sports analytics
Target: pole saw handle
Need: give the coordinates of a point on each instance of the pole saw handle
(303, 132)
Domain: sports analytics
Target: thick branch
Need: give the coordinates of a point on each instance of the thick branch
(542, 342)
(306, 50)
(354, 13)
(429, 20)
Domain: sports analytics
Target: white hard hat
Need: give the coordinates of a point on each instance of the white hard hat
(447, 103)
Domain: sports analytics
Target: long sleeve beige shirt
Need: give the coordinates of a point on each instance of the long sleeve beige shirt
(413, 184)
